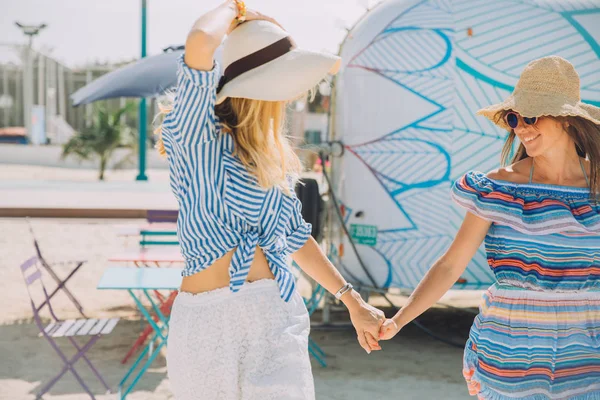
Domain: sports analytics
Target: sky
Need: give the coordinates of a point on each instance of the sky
(83, 31)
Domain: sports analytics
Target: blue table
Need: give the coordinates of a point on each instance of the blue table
(144, 279)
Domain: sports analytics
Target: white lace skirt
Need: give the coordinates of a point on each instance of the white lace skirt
(249, 345)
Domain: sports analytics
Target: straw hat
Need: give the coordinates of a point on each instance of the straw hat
(547, 86)
(262, 62)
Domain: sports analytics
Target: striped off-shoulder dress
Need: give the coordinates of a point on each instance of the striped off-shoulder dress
(537, 335)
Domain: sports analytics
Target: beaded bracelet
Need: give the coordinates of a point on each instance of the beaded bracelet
(241, 6)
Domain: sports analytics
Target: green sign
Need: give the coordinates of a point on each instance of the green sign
(364, 234)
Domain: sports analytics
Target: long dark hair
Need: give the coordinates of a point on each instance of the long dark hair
(584, 133)
(226, 113)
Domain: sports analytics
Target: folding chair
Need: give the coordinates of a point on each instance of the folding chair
(162, 225)
(93, 328)
(158, 237)
(154, 216)
(61, 283)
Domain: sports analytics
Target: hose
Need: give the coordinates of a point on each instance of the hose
(366, 270)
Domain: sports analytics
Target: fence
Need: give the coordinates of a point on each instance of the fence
(53, 83)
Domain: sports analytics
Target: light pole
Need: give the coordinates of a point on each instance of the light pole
(142, 112)
(30, 31)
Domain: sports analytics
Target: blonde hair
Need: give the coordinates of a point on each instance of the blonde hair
(259, 133)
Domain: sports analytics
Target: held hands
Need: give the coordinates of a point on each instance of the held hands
(367, 321)
(388, 330)
(368, 340)
(370, 323)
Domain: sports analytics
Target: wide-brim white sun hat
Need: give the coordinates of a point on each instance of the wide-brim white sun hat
(261, 62)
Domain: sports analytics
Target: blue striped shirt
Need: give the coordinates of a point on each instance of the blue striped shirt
(221, 206)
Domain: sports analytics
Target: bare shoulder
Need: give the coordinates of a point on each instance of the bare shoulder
(517, 172)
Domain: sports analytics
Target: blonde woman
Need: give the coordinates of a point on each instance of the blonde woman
(538, 332)
(239, 329)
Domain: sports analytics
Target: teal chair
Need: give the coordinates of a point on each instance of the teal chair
(162, 232)
(158, 238)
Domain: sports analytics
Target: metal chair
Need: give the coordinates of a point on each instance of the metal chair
(73, 266)
(92, 328)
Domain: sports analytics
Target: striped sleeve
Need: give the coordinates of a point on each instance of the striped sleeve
(297, 230)
(192, 120)
(526, 208)
(474, 192)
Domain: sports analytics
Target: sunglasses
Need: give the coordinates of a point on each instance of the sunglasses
(512, 120)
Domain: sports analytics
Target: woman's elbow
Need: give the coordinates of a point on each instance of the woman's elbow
(201, 42)
(450, 265)
(308, 248)
(199, 50)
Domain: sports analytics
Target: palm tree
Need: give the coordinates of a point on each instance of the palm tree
(102, 138)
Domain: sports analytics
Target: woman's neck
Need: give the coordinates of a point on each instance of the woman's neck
(559, 167)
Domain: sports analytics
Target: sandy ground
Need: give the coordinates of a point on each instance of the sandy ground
(25, 173)
(412, 366)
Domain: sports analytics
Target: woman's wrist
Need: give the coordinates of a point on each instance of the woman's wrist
(400, 320)
(352, 300)
(241, 11)
(238, 7)
(231, 5)
(232, 8)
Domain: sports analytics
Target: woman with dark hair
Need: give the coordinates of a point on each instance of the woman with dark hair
(537, 335)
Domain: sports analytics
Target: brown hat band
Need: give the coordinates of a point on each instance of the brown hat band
(256, 59)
